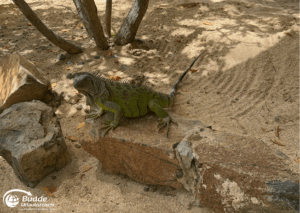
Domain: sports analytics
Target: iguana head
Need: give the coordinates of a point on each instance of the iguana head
(90, 85)
(84, 83)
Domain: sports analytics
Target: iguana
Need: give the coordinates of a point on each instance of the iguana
(125, 99)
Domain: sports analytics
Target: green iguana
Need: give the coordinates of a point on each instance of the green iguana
(125, 99)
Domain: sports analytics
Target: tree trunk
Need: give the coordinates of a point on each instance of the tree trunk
(88, 13)
(42, 28)
(108, 18)
(132, 22)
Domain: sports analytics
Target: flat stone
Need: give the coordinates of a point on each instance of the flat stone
(124, 67)
(81, 63)
(31, 141)
(61, 57)
(20, 80)
(70, 62)
(228, 173)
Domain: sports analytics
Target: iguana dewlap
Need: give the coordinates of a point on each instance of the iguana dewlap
(125, 99)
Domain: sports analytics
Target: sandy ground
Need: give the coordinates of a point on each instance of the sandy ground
(247, 83)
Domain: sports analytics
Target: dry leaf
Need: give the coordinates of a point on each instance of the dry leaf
(65, 30)
(193, 70)
(179, 41)
(114, 77)
(207, 23)
(52, 189)
(53, 85)
(160, 59)
(86, 168)
(79, 25)
(72, 138)
(49, 51)
(47, 192)
(36, 63)
(76, 92)
(81, 125)
(289, 34)
(73, 37)
(187, 5)
(278, 143)
(29, 24)
(116, 60)
(90, 138)
(277, 131)
(297, 160)
(109, 53)
(6, 47)
(81, 36)
(81, 176)
(67, 68)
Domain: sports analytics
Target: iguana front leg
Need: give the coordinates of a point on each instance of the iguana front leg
(164, 118)
(112, 107)
(91, 103)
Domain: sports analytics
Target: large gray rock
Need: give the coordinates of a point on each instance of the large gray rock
(31, 141)
(228, 173)
(20, 80)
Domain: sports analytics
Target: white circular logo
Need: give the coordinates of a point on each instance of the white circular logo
(12, 200)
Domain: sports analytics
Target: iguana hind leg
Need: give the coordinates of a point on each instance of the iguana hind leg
(164, 118)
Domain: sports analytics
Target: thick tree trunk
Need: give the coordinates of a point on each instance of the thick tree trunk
(42, 28)
(108, 18)
(88, 13)
(132, 22)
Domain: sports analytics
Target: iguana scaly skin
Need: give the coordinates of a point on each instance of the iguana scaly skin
(124, 99)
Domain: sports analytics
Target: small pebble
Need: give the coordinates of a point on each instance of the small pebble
(87, 110)
(70, 62)
(124, 67)
(179, 174)
(276, 119)
(114, 56)
(79, 107)
(70, 76)
(78, 146)
(61, 57)
(81, 63)
(146, 189)
(97, 57)
(90, 60)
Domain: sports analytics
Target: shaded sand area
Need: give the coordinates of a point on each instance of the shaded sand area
(247, 83)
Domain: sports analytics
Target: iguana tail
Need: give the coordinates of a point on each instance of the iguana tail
(173, 90)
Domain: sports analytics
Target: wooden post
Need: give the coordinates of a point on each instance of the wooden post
(42, 28)
(108, 18)
(88, 13)
(132, 22)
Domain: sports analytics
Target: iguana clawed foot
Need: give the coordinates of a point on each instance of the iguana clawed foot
(109, 125)
(165, 122)
(95, 115)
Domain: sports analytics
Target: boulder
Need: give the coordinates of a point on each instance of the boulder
(31, 141)
(20, 81)
(228, 173)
